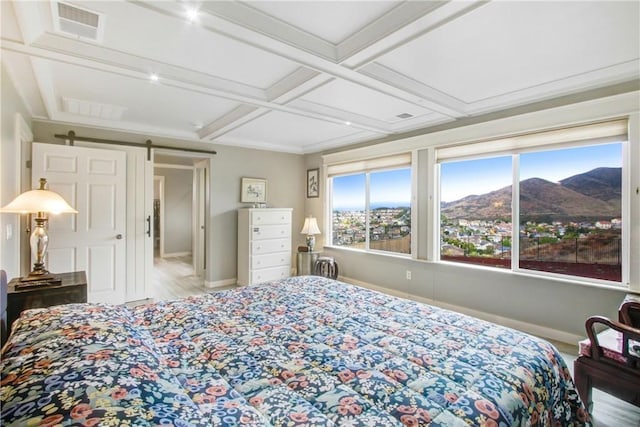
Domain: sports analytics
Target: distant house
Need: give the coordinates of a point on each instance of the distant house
(603, 225)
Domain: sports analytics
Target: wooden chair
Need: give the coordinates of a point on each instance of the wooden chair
(629, 312)
(610, 360)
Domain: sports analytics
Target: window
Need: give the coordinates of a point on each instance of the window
(565, 216)
(571, 211)
(475, 211)
(371, 209)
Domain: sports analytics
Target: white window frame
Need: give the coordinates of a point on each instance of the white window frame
(367, 166)
(576, 136)
(425, 203)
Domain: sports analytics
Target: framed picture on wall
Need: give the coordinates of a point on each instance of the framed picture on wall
(313, 183)
(253, 190)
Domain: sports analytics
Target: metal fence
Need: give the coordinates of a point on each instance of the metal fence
(585, 250)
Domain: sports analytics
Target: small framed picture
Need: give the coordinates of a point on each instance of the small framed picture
(313, 183)
(253, 190)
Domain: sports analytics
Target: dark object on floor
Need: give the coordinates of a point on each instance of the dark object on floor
(326, 267)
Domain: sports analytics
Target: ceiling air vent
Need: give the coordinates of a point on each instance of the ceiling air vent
(79, 22)
(92, 109)
(404, 116)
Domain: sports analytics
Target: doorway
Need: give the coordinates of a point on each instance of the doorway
(179, 217)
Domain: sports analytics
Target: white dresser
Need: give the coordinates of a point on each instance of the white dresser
(264, 244)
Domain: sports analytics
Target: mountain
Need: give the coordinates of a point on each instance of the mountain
(601, 183)
(587, 196)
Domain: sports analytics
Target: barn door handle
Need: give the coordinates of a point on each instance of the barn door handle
(149, 225)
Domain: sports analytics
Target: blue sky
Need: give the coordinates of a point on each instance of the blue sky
(461, 179)
(388, 188)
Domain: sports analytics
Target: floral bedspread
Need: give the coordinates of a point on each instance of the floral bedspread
(304, 351)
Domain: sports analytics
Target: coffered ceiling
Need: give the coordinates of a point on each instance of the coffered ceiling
(306, 76)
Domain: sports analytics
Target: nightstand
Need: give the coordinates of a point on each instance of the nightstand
(306, 263)
(71, 289)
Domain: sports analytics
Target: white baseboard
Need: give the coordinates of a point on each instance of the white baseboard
(219, 283)
(530, 328)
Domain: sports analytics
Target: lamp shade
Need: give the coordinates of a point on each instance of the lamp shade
(310, 226)
(39, 200)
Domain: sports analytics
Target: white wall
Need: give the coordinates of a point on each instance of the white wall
(10, 151)
(178, 211)
(285, 175)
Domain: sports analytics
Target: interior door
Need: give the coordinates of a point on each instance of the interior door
(93, 181)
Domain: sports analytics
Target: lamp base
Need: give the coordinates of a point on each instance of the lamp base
(311, 242)
(36, 276)
(38, 272)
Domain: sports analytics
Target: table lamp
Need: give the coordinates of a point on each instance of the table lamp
(310, 228)
(40, 202)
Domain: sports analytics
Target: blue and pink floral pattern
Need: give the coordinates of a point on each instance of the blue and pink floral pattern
(304, 351)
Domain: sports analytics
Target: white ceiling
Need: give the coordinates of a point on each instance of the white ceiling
(306, 76)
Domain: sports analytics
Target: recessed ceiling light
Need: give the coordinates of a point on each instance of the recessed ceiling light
(192, 14)
(347, 123)
(154, 77)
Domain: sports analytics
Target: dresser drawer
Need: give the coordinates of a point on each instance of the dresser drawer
(270, 232)
(276, 273)
(269, 217)
(271, 260)
(260, 247)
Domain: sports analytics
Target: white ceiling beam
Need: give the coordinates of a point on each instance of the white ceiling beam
(127, 70)
(290, 51)
(103, 57)
(29, 20)
(445, 12)
(290, 83)
(258, 22)
(44, 80)
(393, 22)
(385, 74)
(227, 122)
(346, 116)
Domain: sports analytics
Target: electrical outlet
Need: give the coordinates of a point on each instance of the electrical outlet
(408, 274)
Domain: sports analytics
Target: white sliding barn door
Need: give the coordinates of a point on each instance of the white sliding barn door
(93, 181)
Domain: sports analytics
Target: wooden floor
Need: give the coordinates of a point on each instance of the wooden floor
(173, 278)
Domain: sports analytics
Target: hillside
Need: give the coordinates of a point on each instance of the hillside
(587, 196)
(601, 183)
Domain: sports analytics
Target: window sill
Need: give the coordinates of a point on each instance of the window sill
(370, 252)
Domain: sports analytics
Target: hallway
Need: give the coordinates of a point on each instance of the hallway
(173, 278)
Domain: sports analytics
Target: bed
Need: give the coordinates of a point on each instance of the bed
(306, 351)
